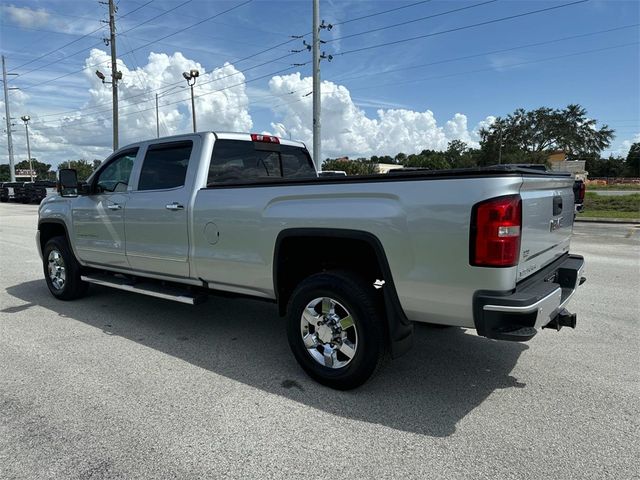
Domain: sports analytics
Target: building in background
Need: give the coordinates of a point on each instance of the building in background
(559, 163)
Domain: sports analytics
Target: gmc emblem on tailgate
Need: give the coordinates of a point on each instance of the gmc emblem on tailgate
(555, 224)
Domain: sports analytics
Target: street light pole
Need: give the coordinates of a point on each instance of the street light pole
(500, 150)
(190, 77)
(25, 119)
(157, 119)
(12, 170)
(193, 108)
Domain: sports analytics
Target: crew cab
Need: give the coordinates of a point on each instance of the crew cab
(351, 261)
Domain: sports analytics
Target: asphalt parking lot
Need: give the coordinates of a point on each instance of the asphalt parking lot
(123, 386)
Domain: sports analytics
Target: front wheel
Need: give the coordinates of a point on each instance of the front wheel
(335, 329)
(62, 270)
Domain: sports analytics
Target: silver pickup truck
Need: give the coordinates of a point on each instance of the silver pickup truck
(350, 261)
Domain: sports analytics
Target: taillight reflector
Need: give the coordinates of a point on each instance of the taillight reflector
(495, 232)
(256, 137)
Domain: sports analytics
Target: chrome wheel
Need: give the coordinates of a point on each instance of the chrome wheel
(57, 269)
(329, 332)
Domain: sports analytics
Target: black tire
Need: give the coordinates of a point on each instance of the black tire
(73, 287)
(360, 302)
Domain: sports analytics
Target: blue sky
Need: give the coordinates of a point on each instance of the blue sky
(378, 99)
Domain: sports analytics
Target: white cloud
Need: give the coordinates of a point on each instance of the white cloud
(625, 145)
(27, 17)
(346, 129)
(221, 104)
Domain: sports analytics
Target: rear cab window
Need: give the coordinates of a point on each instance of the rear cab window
(236, 162)
(165, 165)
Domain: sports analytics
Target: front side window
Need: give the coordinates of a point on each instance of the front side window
(237, 161)
(165, 166)
(115, 176)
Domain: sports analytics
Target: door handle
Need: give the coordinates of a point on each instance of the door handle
(114, 206)
(174, 206)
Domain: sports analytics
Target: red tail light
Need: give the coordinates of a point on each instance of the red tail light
(256, 137)
(583, 189)
(495, 232)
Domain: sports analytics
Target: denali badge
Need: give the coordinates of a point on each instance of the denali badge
(555, 224)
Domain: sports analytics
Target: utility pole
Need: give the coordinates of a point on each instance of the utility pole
(114, 71)
(115, 74)
(317, 143)
(12, 170)
(157, 119)
(25, 119)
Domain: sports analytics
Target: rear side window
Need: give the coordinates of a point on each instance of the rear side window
(237, 161)
(165, 166)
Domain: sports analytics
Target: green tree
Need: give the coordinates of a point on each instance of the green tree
(428, 160)
(633, 161)
(360, 166)
(400, 157)
(459, 155)
(5, 176)
(527, 136)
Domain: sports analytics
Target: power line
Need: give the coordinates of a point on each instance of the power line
(244, 82)
(164, 12)
(174, 85)
(436, 77)
(491, 52)
(467, 7)
(381, 13)
(255, 54)
(410, 67)
(55, 50)
(353, 89)
(71, 43)
(457, 29)
(253, 27)
(137, 74)
(140, 47)
(235, 62)
(585, 52)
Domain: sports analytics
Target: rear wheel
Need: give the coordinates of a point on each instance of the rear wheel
(62, 270)
(335, 329)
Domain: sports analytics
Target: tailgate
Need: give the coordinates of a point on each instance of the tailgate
(547, 221)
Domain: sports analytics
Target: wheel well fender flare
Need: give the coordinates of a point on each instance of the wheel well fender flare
(400, 328)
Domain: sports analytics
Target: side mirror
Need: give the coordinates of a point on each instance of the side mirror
(68, 182)
(84, 188)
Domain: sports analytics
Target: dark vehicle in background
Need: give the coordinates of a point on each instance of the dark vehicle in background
(35, 192)
(12, 192)
(26, 192)
(579, 189)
